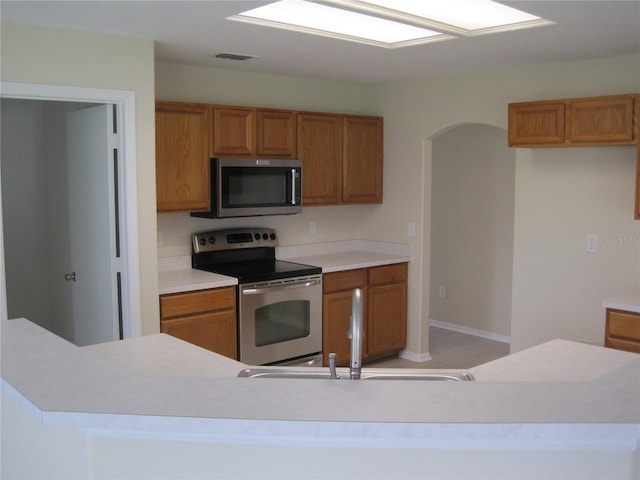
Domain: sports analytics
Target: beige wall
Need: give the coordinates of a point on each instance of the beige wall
(68, 58)
(594, 194)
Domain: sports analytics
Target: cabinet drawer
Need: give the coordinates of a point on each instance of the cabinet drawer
(179, 304)
(345, 280)
(388, 274)
(623, 325)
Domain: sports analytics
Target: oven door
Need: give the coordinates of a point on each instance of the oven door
(280, 319)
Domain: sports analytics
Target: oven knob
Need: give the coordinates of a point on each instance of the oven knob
(212, 240)
(257, 236)
(202, 241)
(273, 236)
(265, 236)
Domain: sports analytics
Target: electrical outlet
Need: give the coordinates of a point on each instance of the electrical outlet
(442, 291)
(312, 227)
(411, 230)
(592, 243)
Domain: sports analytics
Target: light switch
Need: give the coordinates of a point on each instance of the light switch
(592, 243)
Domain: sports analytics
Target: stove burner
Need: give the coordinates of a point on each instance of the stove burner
(246, 254)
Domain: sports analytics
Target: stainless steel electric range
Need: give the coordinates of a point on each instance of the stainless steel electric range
(279, 303)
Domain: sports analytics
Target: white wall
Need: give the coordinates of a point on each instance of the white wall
(472, 206)
(209, 85)
(597, 190)
(70, 58)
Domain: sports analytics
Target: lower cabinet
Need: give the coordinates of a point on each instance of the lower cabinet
(622, 330)
(206, 318)
(384, 311)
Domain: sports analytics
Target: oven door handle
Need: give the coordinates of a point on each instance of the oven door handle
(280, 286)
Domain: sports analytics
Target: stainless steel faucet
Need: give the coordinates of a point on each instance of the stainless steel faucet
(356, 332)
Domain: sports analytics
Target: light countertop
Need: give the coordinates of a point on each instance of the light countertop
(159, 385)
(629, 302)
(176, 275)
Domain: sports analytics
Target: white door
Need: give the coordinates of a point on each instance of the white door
(92, 148)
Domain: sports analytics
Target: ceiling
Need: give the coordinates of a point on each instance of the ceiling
(191, 32)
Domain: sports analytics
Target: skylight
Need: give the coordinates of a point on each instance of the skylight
(307, 17)
(466, 17)
(391, 23)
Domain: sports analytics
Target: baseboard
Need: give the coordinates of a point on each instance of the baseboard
(471, 331)
(414, 357)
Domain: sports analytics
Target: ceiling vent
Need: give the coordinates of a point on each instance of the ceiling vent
(234, 56)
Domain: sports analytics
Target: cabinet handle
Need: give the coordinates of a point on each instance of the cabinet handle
(70, 277)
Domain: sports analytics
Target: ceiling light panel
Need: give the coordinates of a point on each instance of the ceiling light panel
(466, 17)
(308, 17)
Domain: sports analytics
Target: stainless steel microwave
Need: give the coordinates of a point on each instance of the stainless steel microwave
(243, 187)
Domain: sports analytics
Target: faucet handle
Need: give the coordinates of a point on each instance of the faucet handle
(332, 366)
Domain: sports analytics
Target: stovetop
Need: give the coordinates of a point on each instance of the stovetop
(247, 254)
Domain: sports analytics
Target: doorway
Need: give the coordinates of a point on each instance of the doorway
(472, 225)
(41, 251)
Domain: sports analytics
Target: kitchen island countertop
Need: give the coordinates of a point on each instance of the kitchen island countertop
(557, 397)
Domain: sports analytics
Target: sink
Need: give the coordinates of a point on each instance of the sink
(367, 374)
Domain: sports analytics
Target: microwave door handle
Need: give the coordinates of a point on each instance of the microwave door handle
(279, 286)
(293, 186)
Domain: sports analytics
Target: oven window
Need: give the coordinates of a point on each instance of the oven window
(282, 321)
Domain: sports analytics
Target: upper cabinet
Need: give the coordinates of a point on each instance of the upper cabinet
(341, 154)
(234, 131)
(245, 132)
(341, 157)
(579, 122)
(276, 133)
(574, 122)
(536, 124)
(320, 149)
(362, 160)
(183, 149)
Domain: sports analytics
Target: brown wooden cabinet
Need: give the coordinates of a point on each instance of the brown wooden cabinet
(387, 309)
(622, 330)
(384, 311)
(608, 120)
(362, 160)
(206, 318)
(183, 149)
(336, 311)
(276, 133)
(342, 157)
(602, 120)
(234, 131)
(246, 132)
(320, 149)
(536, 124)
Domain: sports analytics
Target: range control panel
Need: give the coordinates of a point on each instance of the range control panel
(234, 238)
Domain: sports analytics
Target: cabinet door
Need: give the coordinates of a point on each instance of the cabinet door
(214, 331)
(536, 124)
(206, 318)
(276, 133)
(336, 314)
(362, 160)
(603, 120)
(234, 131)
(623, 330)
(183, 148)
(320, 149)
(387, 307)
